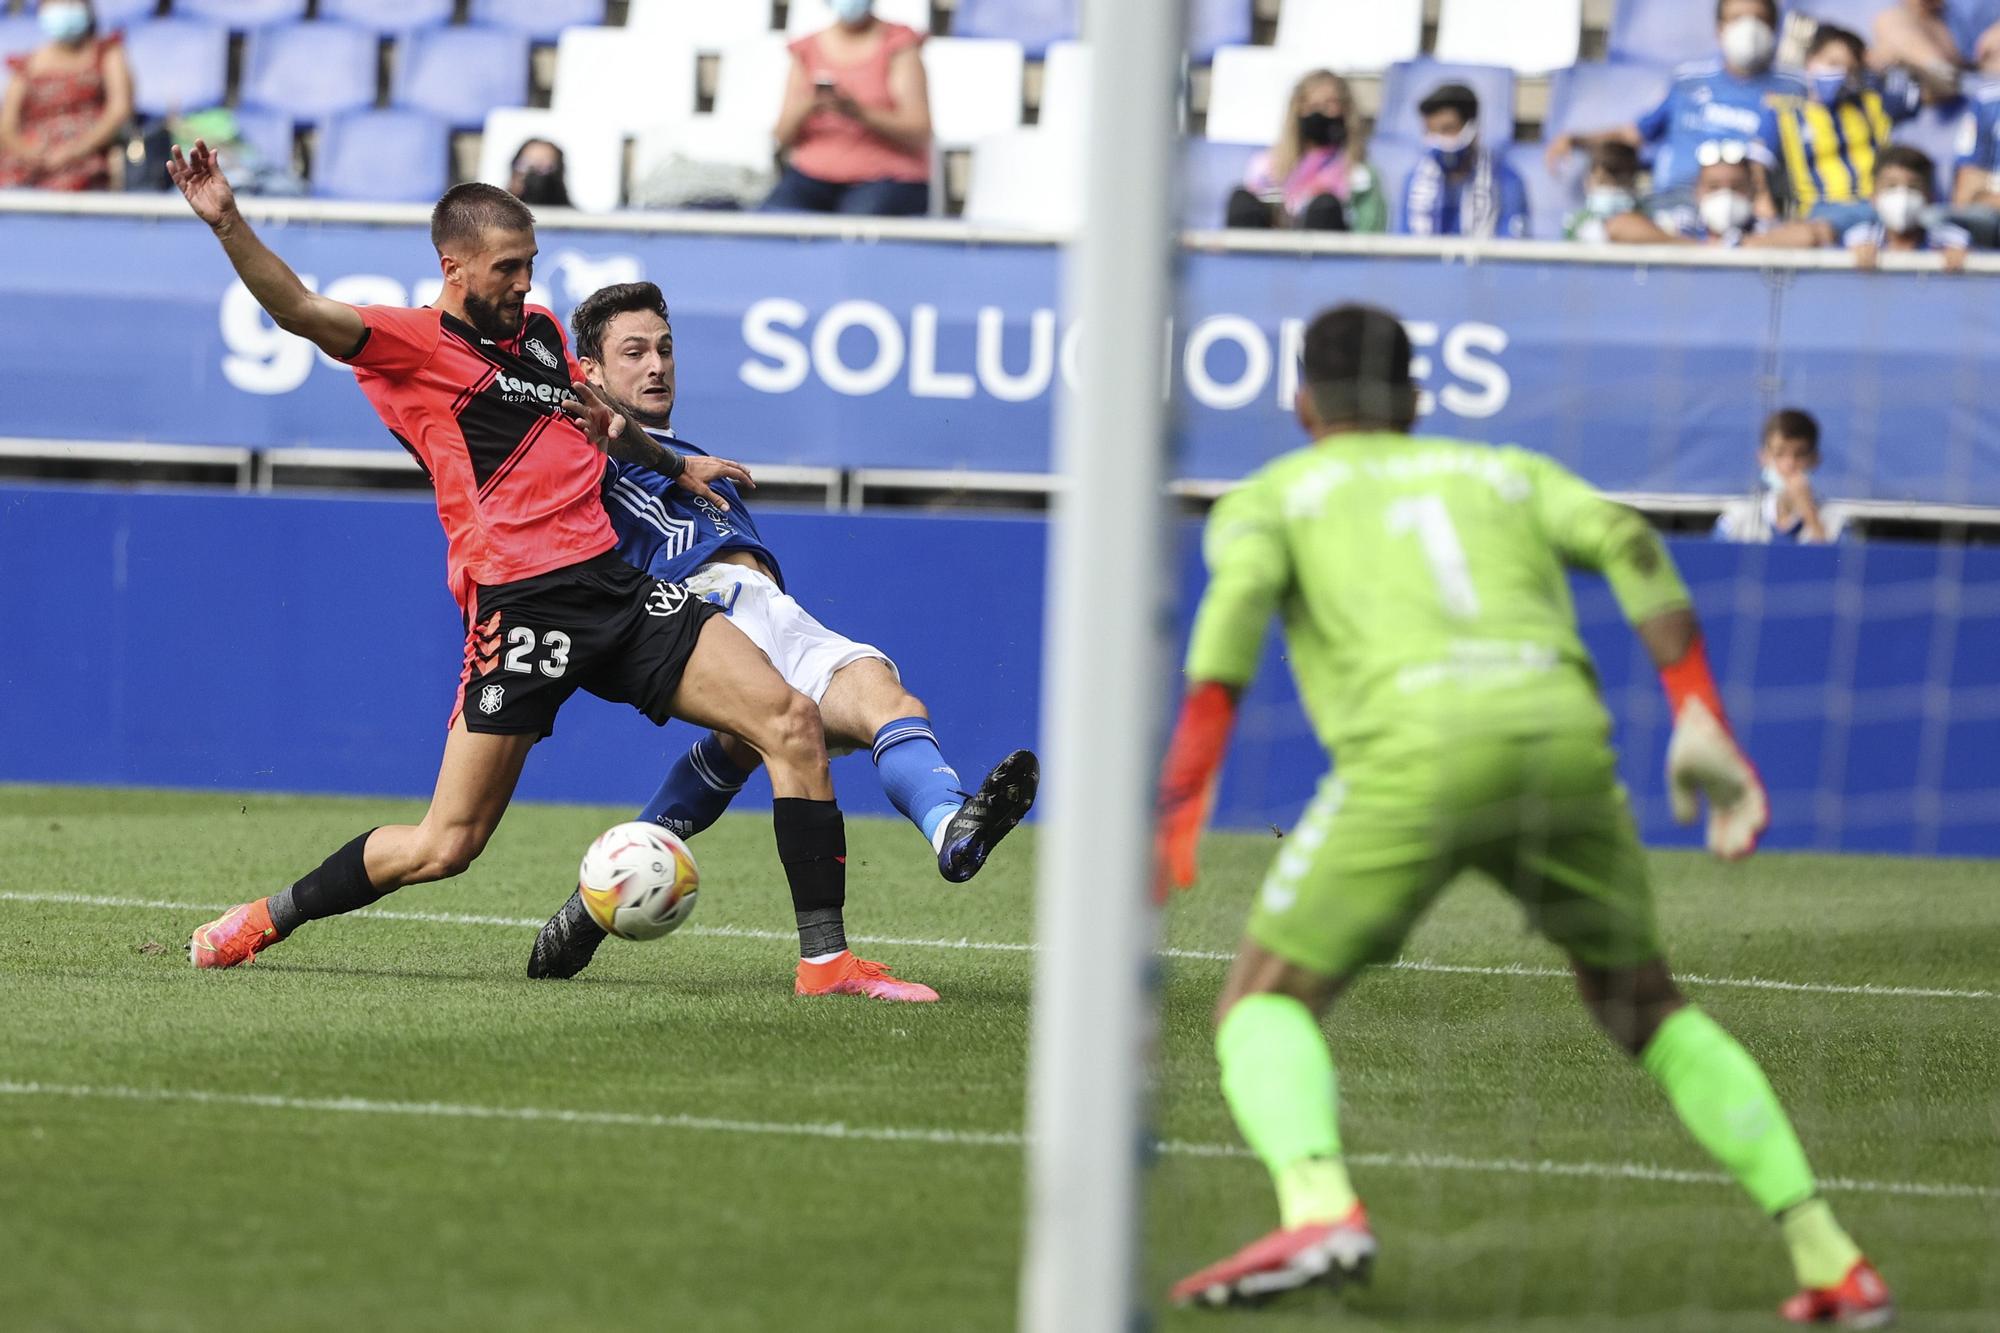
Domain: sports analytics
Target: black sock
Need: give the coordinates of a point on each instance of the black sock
(340, 884)
(812, 844)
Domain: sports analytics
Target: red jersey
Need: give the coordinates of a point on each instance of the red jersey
(518, 484)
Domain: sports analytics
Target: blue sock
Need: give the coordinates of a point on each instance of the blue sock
(914, 774)
(699, 787)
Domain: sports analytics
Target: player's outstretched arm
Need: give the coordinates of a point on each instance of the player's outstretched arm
(627, 441)
(331, 325)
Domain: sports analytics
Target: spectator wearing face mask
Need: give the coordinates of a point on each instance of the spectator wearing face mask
(856, 120)
(1314, 177)
(1611, 194)
(1903, 221)
(1709, 100)
(538, 178)
(1830, 139)
(67, 103)
(1783, 508)
(1722, 213)
(1458, 187)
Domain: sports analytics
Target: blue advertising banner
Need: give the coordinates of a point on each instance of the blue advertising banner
(307, 644)
(947, 354)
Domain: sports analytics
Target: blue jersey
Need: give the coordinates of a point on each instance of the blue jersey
(1979, 133)
(1490, 200)
(1708, 102)
(668, 530)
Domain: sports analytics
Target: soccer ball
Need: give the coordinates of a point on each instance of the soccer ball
(639, 881)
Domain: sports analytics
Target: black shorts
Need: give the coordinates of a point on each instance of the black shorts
(600, 626)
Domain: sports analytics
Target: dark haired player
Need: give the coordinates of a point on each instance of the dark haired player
(625, 345)
(1422, 584)
(481, 389)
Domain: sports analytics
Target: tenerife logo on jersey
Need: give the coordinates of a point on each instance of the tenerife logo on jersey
(543, 354)
(524, 391)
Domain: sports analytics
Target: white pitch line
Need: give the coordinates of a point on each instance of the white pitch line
(949, 1138)
(995, 946)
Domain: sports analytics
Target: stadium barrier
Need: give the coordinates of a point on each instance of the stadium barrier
(930, 345)
(307, 644)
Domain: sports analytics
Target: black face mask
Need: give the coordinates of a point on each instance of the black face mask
(1321, 130)
(543, 189)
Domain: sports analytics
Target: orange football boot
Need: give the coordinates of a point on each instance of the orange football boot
(1861, 1300)
(237, 936)
(1331, 1253)
(845, 974)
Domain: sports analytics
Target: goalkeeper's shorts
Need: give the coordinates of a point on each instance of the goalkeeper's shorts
(1545, 818)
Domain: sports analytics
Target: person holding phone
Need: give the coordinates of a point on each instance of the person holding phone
(856, 121)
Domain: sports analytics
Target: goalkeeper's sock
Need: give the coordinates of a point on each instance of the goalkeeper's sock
(1725, 1101)
(697, 789)
(1277, 1075)
(812, 845)
(338, 884)
(915, 776)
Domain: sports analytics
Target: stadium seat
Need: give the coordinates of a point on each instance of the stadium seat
(1065, 88)
(1392, 160)
(1026, 178)
(394, 156)
(271, 133)
(1353, 35)
(461, 73)
(702, 25)
(975, 88)
(388, 16)
(750, 87)
(1597, 95)
(544, 20)
(622, 80)
(1213, 24)
(313, 70)
(1250, 88)
(1526, 36)
(1209, 171)
(1407, 84)
(1855, 15)
(242, 14)
(177, 65)
(1663, 32)
(1552, 195)
(593, 161)
(806, 16)
(1032, 23)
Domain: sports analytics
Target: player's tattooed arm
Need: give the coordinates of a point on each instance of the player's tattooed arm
(333, 326)
(624, 439)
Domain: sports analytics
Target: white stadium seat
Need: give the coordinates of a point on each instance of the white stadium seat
(811, 15)
(1027, 178)
(750, 86)
(975, 87)
(1357, 36)
(593, 161)
(1527, 36)
(1249, 89)
(706, 26)
(621, 80)
(1065, 87)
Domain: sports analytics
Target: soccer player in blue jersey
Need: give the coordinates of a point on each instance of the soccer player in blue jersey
(1710, 100)
(625, 346)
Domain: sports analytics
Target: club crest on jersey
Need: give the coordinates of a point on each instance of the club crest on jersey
(490, 699)
(543, 354)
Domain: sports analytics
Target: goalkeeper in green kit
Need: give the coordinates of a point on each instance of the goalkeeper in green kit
(1423, 590)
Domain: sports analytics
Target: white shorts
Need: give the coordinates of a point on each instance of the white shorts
(805, 652)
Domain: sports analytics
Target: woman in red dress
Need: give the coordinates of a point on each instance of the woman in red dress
(67, 102)
(856, 122)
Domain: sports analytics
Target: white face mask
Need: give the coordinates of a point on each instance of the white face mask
(851, 11)
(1608, 201)
(1774, 480)
(1748, 43)
(1725, 211)
(64, 23)
(1901, 208)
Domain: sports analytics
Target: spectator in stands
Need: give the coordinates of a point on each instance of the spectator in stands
(1709, 100)
(539, 177)
(1975, 191)
(1459, 187)
(1611, 193)
(1905, 178)
(1829, 139)
(1918, 33)
(1783, 508)
(67, 104)
(1721, 213)
(1314, 177)
(856, 121)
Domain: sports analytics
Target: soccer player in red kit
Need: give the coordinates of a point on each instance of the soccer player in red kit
(481, 388)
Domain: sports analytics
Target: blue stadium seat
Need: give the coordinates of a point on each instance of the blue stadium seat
(543, 20)
(242, 14)
(1855, 15)
(1408, 83)
(1209, 171)
(114, 13)
(461, 73)
(1213, 23)
(310, 69)
(388, 16)
(177, 65)
(1392, 160)
(1595, 96)
(1032, 23)
(1663, 32)
(1552, 196)
(393, 156)
(270, 132)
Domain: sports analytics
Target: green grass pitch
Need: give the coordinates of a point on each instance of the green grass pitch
(364, 1130)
